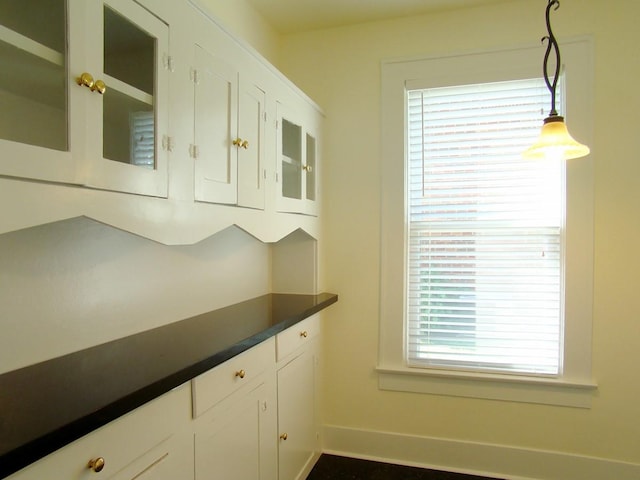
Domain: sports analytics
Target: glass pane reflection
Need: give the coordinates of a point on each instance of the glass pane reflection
(33, 87)
(128, 115)
(129, 130)
(291, 160)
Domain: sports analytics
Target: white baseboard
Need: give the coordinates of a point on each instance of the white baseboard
(306, 470)
(499, 461)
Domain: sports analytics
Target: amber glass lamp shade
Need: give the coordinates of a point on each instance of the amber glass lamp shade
(555, 142)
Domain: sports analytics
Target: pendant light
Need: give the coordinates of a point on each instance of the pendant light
(554, 141)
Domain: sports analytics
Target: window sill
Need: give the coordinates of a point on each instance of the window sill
(512, 388)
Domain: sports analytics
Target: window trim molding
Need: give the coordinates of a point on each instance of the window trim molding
(514, 388)
(575, 386)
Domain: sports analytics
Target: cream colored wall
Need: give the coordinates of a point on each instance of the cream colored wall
(73, 284)
(340, 69)
(242, 20)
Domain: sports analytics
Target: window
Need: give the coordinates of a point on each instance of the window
(142, 142)
(484, 246)
(486, 261)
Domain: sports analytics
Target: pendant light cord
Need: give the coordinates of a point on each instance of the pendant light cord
(552, 44)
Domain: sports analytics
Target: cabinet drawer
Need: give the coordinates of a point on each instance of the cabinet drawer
(298, 335)
(221, 381)
(124, 444)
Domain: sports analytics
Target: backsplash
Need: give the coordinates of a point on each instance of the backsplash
(76, 283)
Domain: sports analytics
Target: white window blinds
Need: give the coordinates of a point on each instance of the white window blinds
(485, 231)
(142, 142)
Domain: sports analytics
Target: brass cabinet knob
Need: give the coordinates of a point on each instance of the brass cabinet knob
(240, 143)
(86, 80)
(284, 436)
(240, 373)
(307, 168)
(96, 464)
(99, 86)
(304, 334)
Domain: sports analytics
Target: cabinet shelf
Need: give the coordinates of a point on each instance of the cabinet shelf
(290, 161)
(28, 45)
(37, 73)
(128, 90)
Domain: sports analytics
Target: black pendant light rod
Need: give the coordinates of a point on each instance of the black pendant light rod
(552, 44)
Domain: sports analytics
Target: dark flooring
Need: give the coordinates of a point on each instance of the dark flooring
(332, 467)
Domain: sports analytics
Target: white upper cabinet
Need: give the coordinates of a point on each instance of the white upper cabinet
(297, 157)
(84, 92)
(215, 128)
(252, 119)
(131, 114)
(229, 126)
(34, 90)
(165, 119)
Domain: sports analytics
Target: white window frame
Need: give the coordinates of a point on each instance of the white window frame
(574, 387)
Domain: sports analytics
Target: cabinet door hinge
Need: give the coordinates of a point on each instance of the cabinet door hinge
(277, 178)
(167, 143)
(167, 61)
(194, 151)
(195, 76)
(265, 117)
(264, 173)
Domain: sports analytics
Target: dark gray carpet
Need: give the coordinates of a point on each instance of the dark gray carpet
(332, 467)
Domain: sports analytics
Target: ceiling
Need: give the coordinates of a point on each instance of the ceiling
(289, 16)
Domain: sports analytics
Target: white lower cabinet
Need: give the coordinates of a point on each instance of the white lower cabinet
(298, 426)
(235, 440)
(235, 418)
(170, 460)
(257, 415)
(152, 442)
(254, 417)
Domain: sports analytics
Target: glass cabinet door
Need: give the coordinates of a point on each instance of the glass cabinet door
(131, 82)
(298, 161)
(33, 72)
(128, 110)
(34, 103)
(291, 160)
(84, 93)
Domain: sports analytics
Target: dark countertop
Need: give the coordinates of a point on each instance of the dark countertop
(46, 406)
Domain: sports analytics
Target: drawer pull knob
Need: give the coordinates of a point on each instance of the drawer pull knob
(97, 464)
(241, 373)
(304, 334)
(284, 436)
